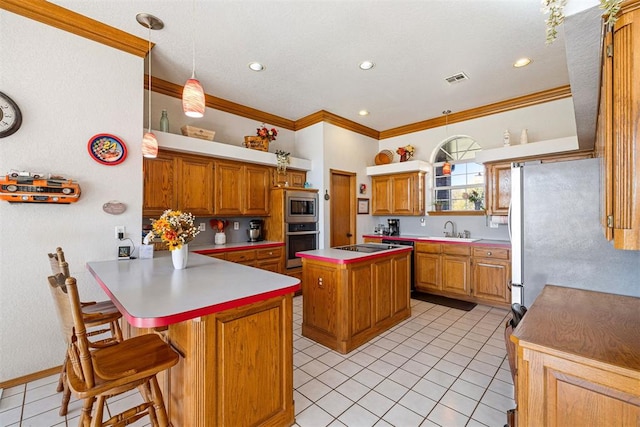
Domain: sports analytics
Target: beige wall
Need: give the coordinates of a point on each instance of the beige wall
(68, 89)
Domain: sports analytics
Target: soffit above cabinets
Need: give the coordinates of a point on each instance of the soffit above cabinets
(401, 167)
(185, 144)
(531, 149)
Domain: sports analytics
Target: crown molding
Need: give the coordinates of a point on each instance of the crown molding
(171, 89)
(486, 110)
(64, 19)
(325, 116)
(72, 22)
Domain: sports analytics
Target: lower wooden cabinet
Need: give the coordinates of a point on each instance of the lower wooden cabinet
(578, 360)
(474, 273)
(346, 305)
(271, 259)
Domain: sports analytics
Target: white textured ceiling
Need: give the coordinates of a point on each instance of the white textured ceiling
(312, 48)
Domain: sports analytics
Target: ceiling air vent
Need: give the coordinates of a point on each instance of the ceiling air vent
(456, 78)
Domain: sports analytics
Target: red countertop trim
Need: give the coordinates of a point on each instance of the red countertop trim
(238, 248)
(481, 242)
(352, 260)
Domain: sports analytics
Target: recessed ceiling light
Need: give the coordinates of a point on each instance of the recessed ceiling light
(366, 65)
(363, 112)
(256, 66)
(522, 62)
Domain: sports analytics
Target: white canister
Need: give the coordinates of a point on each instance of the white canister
(506, 138)
(524, 138)
(220, 239)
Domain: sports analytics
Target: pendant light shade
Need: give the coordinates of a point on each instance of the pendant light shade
(149, 145)
(193, 98)
(446, 168)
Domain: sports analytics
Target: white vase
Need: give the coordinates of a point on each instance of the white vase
(179, 257)
(220, 239)
(524, 138)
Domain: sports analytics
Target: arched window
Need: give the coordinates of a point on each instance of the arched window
(463, 188)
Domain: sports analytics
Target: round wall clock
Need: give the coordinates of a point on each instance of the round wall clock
(107, 149)
(10, 116)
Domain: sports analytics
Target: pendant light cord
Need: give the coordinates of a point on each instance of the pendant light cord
(193, 40)
(149, 88)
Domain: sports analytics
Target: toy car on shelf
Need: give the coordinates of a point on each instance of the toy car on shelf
(27, 188)
(25, 174)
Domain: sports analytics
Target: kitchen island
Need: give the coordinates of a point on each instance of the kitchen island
(351, 296)
(231, 324)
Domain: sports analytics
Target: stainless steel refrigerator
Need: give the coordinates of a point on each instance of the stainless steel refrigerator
(556, 234)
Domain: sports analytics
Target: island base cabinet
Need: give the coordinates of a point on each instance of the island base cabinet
(561, 392)
(346, 305)
(236, 367)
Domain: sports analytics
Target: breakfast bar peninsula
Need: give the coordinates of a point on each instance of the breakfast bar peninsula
(354, 293)
(231, 324)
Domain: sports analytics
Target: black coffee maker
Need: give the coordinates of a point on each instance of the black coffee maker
(255, 230)
(394, 227)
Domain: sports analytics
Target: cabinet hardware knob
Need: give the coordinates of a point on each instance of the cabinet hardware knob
(489, 253)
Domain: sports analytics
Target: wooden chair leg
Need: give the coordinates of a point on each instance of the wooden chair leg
(97, 417)
(158, 403)
(85, 417)
(61, 380)
(63, 387)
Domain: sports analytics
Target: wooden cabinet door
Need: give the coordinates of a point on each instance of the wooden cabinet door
(428, 272)
(381, 195)
(297, 178)
(498, 182)
(401, 270)
(195, 184)
(320, 285)
(403, 194)
(490, 279)
(456, 274)
(159, 182)
(360, 299)
(625, 167)
(382, 304)
(229, 185)
(256, 181)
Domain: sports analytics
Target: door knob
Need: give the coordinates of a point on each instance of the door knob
(349, 234)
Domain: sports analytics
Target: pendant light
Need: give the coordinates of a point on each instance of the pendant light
(149, 141)
(446, 167)
(193, 94)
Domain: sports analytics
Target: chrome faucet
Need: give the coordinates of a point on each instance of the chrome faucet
(453, 229)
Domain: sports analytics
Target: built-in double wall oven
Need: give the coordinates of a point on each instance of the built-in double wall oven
(301, 224)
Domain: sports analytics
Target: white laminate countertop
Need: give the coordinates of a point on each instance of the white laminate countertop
(339, 256)
(151, 293)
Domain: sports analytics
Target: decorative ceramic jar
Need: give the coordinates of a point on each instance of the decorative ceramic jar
(220, 239)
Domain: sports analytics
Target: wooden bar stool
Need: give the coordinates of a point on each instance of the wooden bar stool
(102, 317)
(96, 375)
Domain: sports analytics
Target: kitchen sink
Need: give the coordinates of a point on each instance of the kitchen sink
(453, 239)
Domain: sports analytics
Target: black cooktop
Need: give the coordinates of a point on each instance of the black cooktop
(365, 248)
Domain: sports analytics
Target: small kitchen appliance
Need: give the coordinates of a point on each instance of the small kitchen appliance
(394, 227)
(255, 230)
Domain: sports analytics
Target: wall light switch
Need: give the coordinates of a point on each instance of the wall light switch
(236, 225)
(202, 226)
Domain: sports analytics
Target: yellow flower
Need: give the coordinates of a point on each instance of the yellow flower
(175, 228)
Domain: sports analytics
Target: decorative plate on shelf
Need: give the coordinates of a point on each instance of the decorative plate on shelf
(384, 157)
(107, 149)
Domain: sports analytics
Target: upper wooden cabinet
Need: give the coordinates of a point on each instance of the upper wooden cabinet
(291, 178)
(398, 194)
(178, 181)
(498, 177)
(617, 130)
(241, 189)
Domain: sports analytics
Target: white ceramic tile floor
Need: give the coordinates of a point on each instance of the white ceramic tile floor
(441, 367)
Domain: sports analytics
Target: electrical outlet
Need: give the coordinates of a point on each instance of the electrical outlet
(202, 226)
(423, 223)
(493, 224)
(120, 232)
(236, 225)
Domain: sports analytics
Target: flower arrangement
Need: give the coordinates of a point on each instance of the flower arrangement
(219, 224)
(264, 132)
(474, 196)
(176, 228)
(282, 159)
(405, 152)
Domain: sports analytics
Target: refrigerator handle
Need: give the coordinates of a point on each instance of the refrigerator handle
(509, 221)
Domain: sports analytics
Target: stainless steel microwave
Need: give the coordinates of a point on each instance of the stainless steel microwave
(301, 206)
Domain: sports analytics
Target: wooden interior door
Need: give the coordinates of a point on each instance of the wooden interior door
(342, 222)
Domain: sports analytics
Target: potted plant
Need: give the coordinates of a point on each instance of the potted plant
(475, 197)
(282, 159)
(437, 206)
